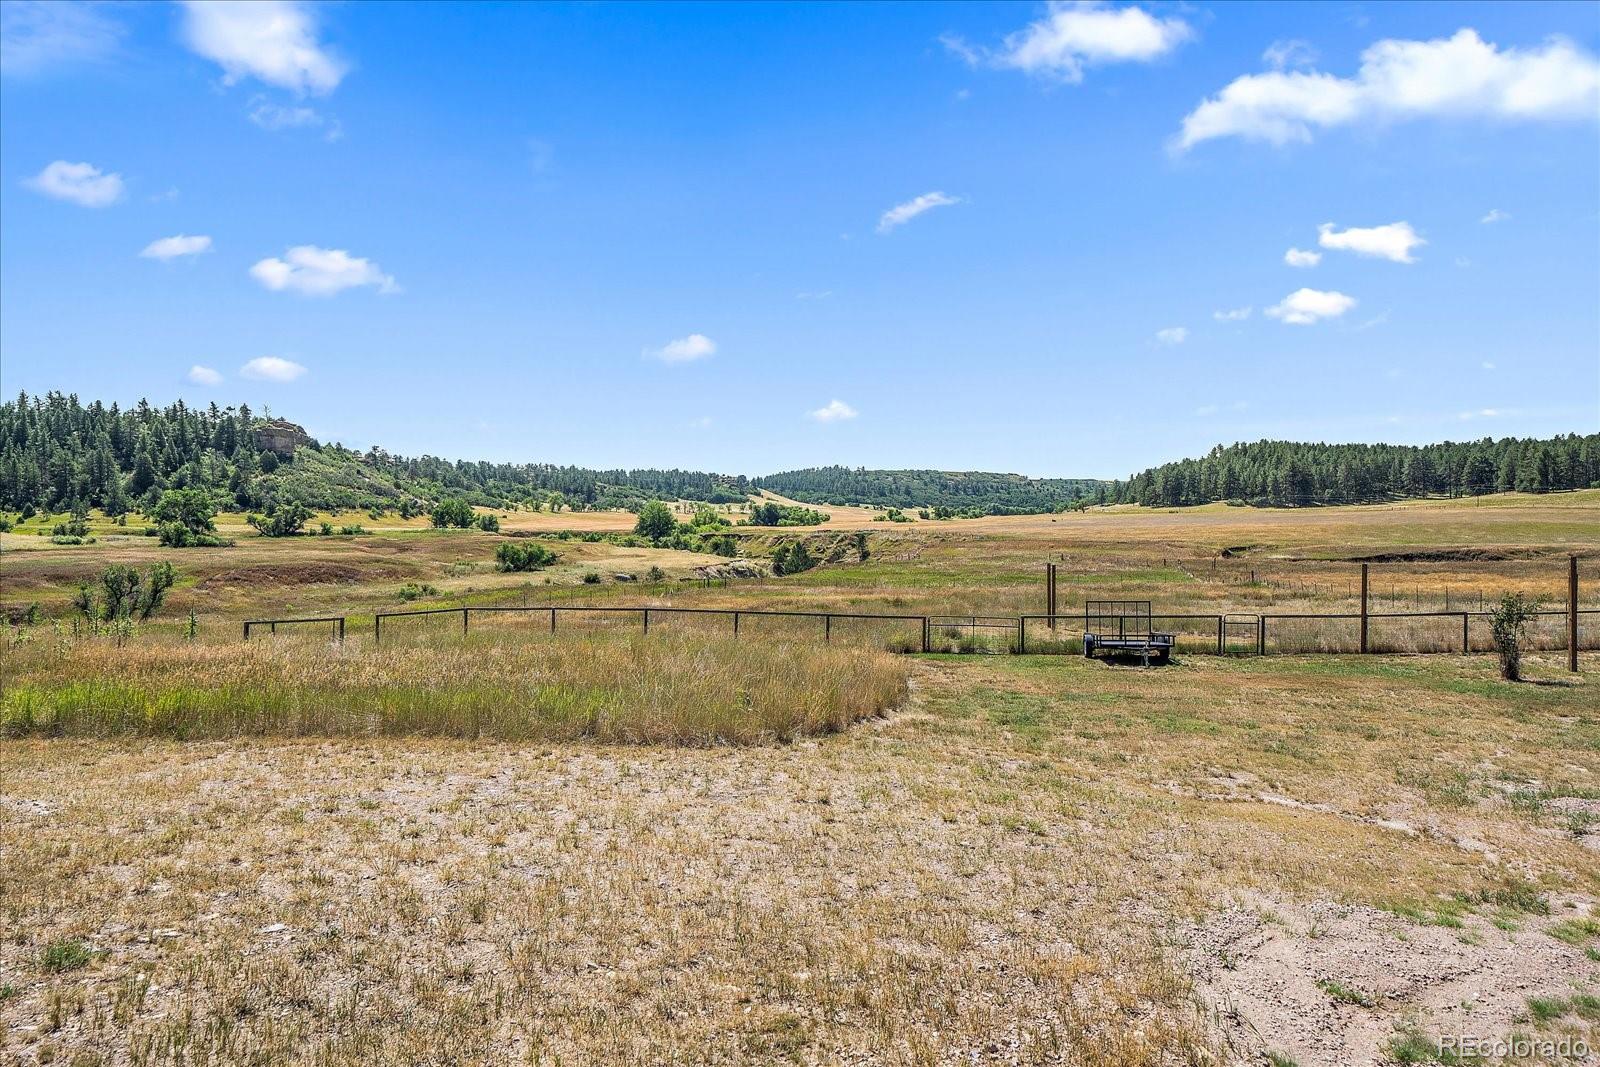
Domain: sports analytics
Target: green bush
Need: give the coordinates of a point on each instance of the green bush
(283, 520)
(125, 593)
(488, 524)
(1508, 622)
(591, 578)
(186, 518)
(412, 591)
(455, 512)
(511, 556)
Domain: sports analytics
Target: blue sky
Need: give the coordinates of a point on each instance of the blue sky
(659, 235)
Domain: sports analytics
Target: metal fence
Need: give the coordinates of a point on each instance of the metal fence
(910, 632)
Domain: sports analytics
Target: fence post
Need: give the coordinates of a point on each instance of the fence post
(736, 624)
(1572, 613)
(552, 620)
(1261, 635)
(1363, 607)
(274, 628)
(464, 613)
(827, 627)
(247, 631)
(647, 621)
(1464, 647)
(1022, 635)
(925, 642)
(1219, 635)
(377, 629)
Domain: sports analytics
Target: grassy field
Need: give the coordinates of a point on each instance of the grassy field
(601, 847)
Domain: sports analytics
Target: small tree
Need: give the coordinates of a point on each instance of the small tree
(282, 520)
(125, 593)
(655, 521)
(1508, 621)
(453, 512)
(186, 517)
(489, 524)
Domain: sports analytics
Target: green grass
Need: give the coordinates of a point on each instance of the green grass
(1575, 931)
(64, 955)
(1344, 994)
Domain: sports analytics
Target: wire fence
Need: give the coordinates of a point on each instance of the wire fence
(1213, 634)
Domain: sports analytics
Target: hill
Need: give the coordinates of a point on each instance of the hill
(58, 454)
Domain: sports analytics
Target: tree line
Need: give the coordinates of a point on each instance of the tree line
(991, 494)
(58, 454)
(1288, 473)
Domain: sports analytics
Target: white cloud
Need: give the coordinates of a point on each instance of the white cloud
(79, 183)
(1393, 241)
(1233, 315)
(1073, 36)
(37, 36)
(1207, 409)
(684, 349)
(1481, 413)
(271, 116)
(1457, 77)
(167, 249)
(274, 41)
(1291, 53)
(1306, 306)
(1487, 365)
(901, 214)
(702, 423)
(320, 272)
(1173, 335)
(1495, 215)
(835, 411)
(271, 369)
(204, 375)
(820, 294)
(1300, 257)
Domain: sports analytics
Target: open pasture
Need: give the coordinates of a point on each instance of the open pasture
(600, 847)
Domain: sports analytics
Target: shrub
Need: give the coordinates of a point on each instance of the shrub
(655, 521)
(488, 524)
(351, 531)
(656, 574)
(325, 529)
(283, 520)
(5, 524)
(771, 514)
(455, 512)
(511, 556)
(412, 591)
(125, 593)
(186, 518)
(591, 578)
(1508, 622)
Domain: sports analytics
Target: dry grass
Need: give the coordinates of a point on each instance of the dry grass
(620, 688)
(1002, 872)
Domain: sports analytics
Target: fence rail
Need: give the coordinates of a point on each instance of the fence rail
(1219, 633)
(735, 615)
(272, 624)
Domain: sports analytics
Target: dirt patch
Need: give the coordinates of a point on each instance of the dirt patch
(1329, 983)
(310, 573)
(1448, 555)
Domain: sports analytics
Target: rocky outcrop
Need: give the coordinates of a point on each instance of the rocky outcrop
(734, 568)
(281, 436)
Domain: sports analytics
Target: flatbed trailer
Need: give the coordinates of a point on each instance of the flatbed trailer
(1124, 626)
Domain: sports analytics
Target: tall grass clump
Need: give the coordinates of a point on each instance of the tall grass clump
(665, 689)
